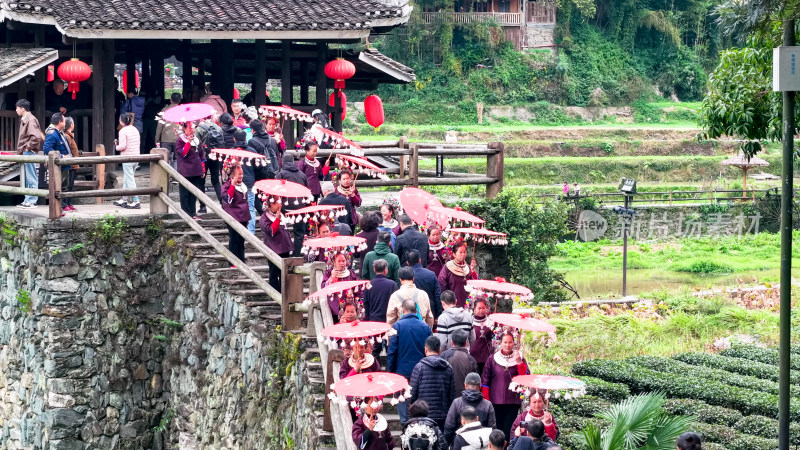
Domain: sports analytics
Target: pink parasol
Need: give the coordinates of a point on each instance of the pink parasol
(337, 244)
(457, 214)
(372, 331)
(247, 158)
(373, 384)
(316, 213)
(363, 165)
(481, 235)
(499, 288)
(321, 134)
(284, 112)
(524, 384)
(342, 287)
(188, 112)
(281, 189)
(522, 323)
(417, 203)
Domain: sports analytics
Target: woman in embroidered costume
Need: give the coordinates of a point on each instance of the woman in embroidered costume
(370, 431)
(360, 359)
(456, 272)
(538, 406)
(387, 215)
(506, 363)
(438, 253)
(275, 237)
(313, 169)
(339, 272)
(481, 349)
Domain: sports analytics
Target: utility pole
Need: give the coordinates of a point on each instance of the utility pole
(787, 198)
(625, 246)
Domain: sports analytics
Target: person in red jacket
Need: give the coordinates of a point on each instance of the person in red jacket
(500, 368)
(275, 237)
(235, 204)
(538, 405)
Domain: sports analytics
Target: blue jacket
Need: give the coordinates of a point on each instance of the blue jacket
(426, 280)
(407, 347)
(54, 142)
(411, 239)
(134, 105)
(432, 381)
(376, 298)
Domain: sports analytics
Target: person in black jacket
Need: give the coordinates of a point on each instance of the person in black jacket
(410, 239)
(290, 172)
(418, 415)
(538, 439)
(470, 397)
(263, 144)
(376, 299)
(432, 381)
(427, 281)
(331, 197)
(226, 123)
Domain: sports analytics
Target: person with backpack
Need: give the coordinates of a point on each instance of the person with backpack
(409, 291)
(432, 381)
(371, 431)
(210, 136)
(421, 432)
(472, 435)
(263, 144)
(191, 166)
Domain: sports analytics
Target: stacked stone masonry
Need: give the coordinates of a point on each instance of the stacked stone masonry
(117, 339)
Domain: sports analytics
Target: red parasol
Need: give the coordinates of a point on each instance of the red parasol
(373, 384)
(337, 244)
(481, 235)
(522, 323)
(338, 288)
(284, 112)
(188, 112)
(499, 288)
(315, 213)
(363, 165)
(523, 384)
(282, 189)
(246, 157)
(416, 203)
(321, 134)
(457, 214)
(372, 331)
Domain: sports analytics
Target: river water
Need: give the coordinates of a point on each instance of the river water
(608, 283)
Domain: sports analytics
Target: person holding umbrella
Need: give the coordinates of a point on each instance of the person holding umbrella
(276, 237)
(506, 363)
(347, 187)
(235, 204)
(456, 272)
(190, 164)
(371, 431)
(338, 272)
(438, 253)
(361, 359)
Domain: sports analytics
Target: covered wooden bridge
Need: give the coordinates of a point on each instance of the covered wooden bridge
(251, 42)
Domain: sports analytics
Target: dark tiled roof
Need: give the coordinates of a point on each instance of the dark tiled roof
(18, 61)
(373, 56)
(214, 15)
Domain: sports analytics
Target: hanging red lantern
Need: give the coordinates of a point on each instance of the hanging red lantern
(373, 109)
(74, 71)
(125, 79)
(342, 102)
(235, 93)
(340, 69)
(51, 73)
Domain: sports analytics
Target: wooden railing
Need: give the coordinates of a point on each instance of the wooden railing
(9, 129)
(541, 12)
(670, 197)
(408, 171)
(504, 19)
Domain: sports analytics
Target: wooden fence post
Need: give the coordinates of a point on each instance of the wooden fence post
(54, 186)
(159, 178)
(292, 293)
(413, 165)
(100, 171)
(494, 169)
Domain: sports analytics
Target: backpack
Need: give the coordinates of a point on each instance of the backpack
(210, 136)
(418, 436)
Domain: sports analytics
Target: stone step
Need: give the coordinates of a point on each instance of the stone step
(393, 419)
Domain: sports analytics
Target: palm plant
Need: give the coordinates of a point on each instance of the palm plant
(638, 422)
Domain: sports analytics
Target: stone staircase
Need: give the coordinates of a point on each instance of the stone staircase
(231, 279)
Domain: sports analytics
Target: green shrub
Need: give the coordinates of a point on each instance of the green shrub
(710, 414)
(758, 354)
(736, 365)
(577, 423)
(572, 441)
(613, 392)
(702, 266)
(671, 365)
(766, 427)
(586, 406)
(719, 434)
(641, 380)
(713, 446)
(753, 443)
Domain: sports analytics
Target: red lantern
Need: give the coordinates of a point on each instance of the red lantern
(235, 93)
(340, 69)
(51, 73)
(74, 71)
(125, 80)
(373, 109)
(342, 102)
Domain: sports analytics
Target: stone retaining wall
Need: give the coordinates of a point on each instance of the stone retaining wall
(112, 337)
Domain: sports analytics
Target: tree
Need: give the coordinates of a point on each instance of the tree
(638, 422)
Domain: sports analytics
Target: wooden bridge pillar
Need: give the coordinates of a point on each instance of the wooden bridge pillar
(494, 169)
(292, 293)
